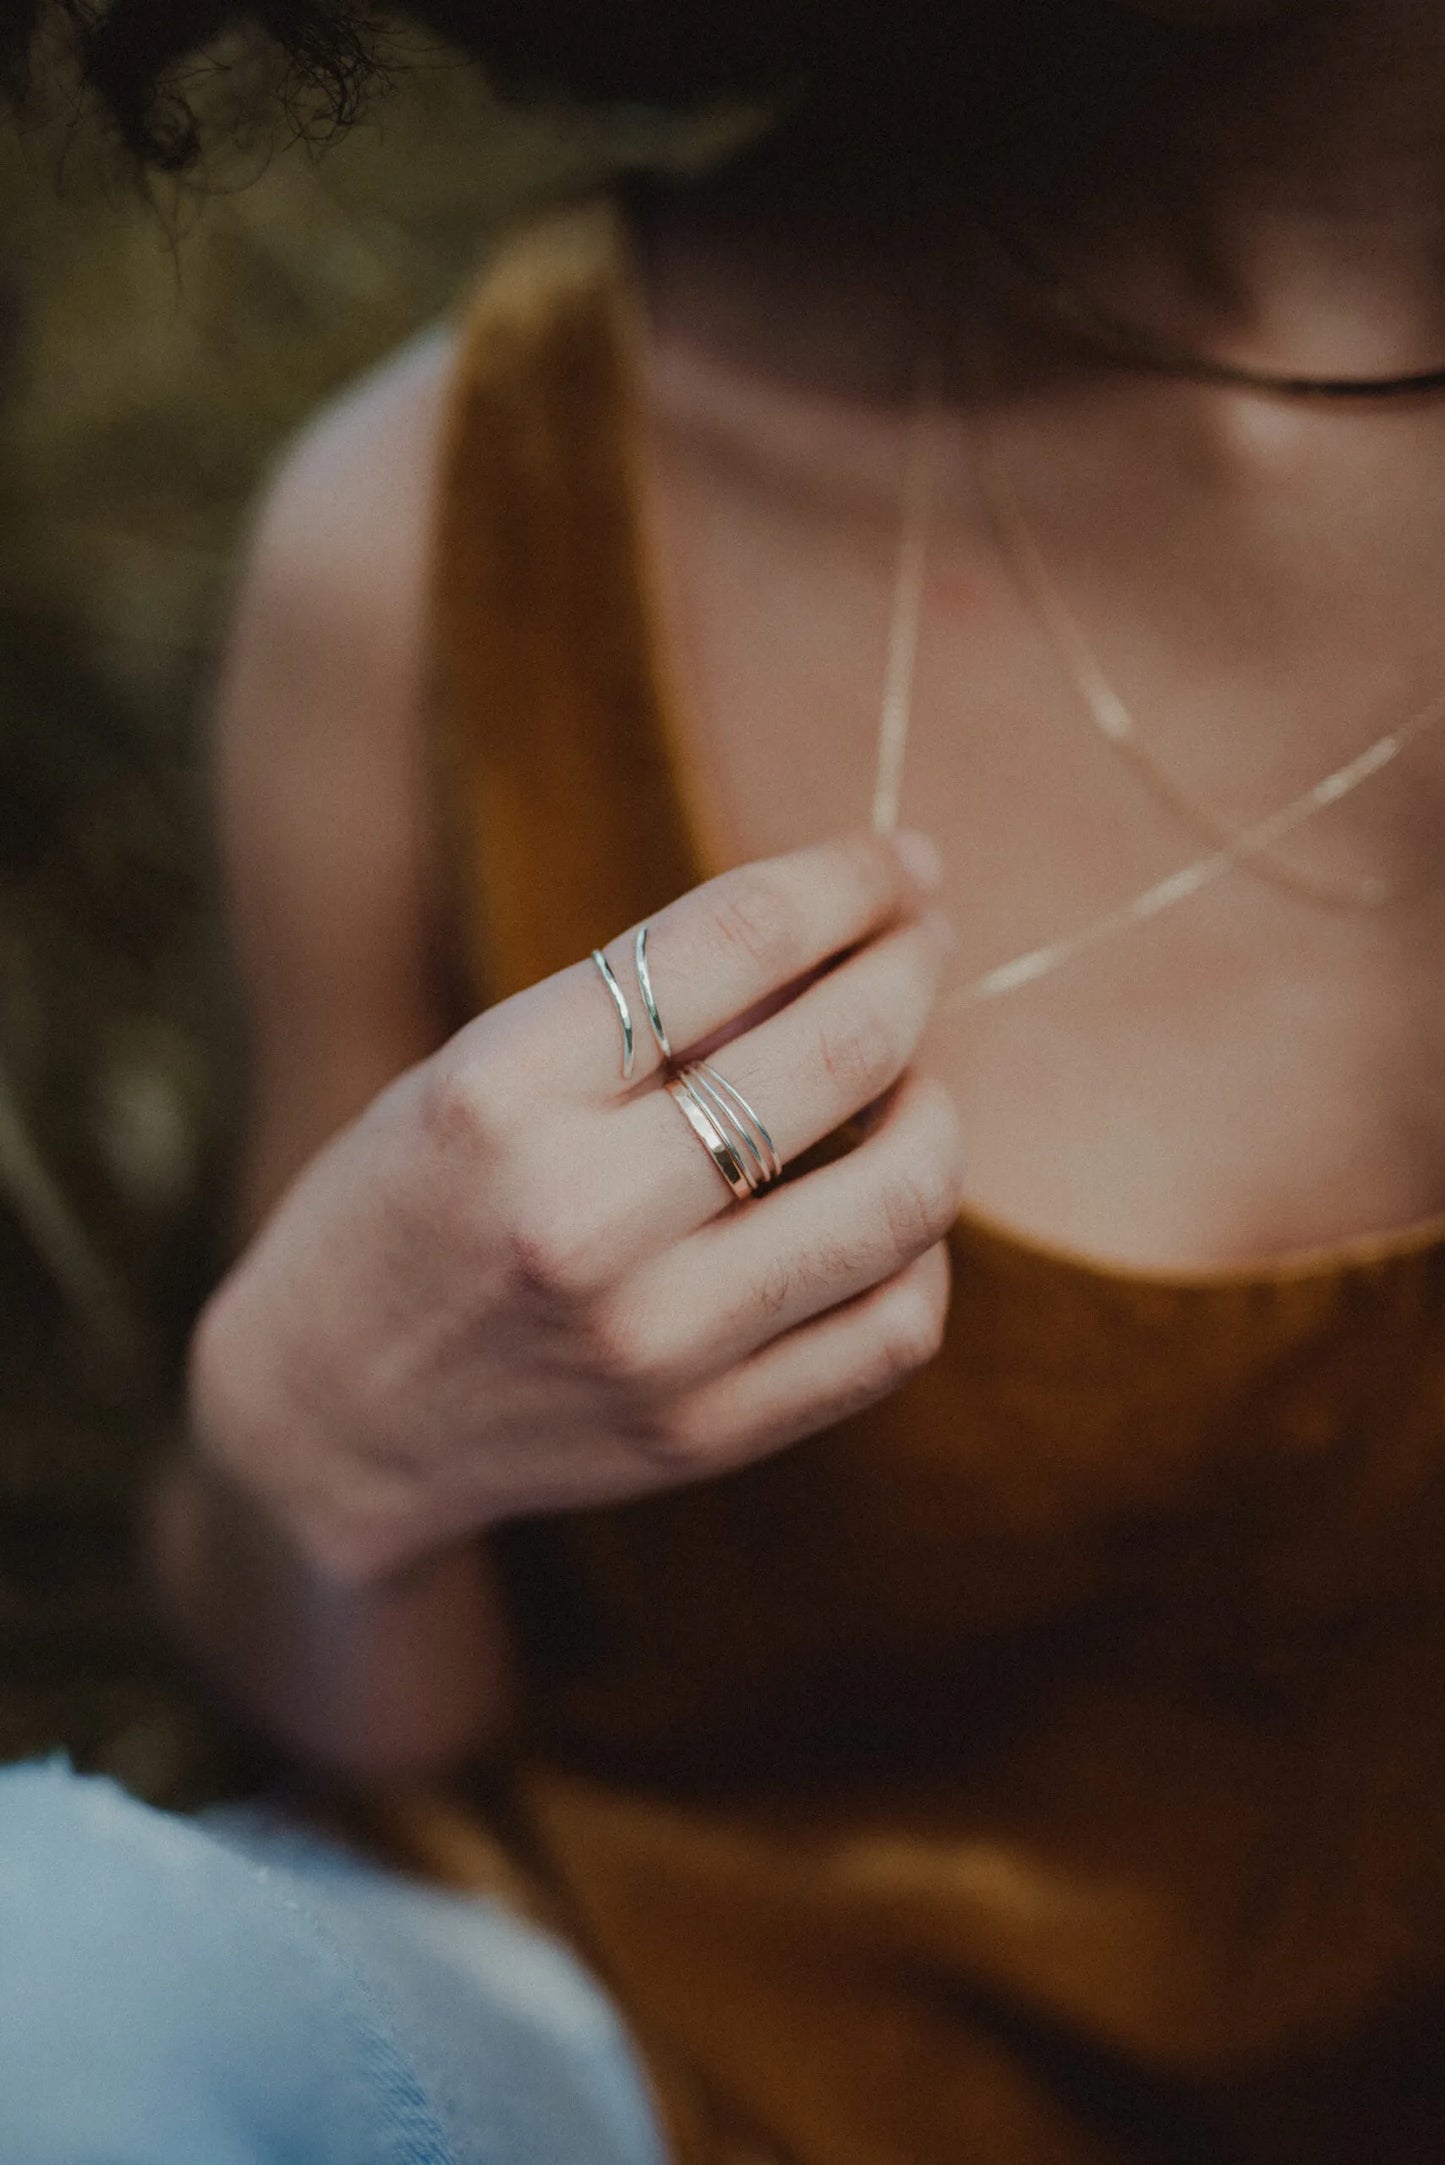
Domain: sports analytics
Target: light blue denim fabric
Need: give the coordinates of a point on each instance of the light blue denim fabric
(229, 1992)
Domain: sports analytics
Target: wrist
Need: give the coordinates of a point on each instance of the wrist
(400, 1675)
(270, 1430)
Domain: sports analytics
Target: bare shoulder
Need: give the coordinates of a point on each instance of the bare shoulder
(321, 769)
(325, 657)
(342, 526)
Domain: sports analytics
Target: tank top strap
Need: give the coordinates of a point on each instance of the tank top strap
(550, 733)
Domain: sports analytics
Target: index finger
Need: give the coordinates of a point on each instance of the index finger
(734, 944)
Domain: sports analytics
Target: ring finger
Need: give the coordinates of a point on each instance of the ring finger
(819, 1374)
(805, 1070)
(751, 1276)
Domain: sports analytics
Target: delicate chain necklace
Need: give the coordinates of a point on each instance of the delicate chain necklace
(1118, 725)
(906, 613)
(1241, 847)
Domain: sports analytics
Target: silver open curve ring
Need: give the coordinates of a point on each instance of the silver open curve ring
(624, 1012)
(649, 1001)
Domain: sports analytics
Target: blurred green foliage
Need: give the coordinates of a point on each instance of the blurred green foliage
(157, 341)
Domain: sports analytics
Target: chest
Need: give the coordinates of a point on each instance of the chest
(1251, 1071)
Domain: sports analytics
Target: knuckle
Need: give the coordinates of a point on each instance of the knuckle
(626, 1349)
(840, 1261)
(793, 1282)
(919, 1204)
(460, 1111)
(755, 916)
(858, 1054)
(678, 1443)
(554, 1256)
(910, 1332)
(779, 1285)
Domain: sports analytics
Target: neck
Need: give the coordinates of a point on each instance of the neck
(1275, 193)
(1270, 191)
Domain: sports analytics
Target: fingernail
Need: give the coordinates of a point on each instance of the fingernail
(920, 857)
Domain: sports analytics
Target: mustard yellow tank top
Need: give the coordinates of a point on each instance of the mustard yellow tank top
(1049, 1765)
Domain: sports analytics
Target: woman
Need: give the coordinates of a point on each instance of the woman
(1038, 1762)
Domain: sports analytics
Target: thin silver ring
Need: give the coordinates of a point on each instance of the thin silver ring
(624, 1012)
(644, 980)
(747, 1139)
(744, 1144)
(690, 1104)
(769, 1157)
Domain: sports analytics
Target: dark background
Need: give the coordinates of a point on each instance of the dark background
(158, 342)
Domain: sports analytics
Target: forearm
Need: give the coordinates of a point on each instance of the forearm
(378, 1676)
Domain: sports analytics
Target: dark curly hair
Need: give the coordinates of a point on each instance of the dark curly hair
(136, 55)
(873, 93)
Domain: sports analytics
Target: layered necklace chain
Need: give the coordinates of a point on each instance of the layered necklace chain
(1248, 847)
(1119, 727)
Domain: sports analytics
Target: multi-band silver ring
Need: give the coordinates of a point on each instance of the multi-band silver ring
(698, 1117)
(717, 1112)
(728, 1129)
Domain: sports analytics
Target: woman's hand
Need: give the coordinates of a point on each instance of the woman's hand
(517, 1284)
